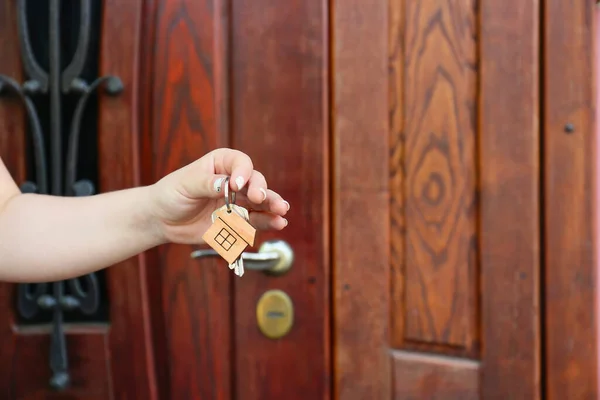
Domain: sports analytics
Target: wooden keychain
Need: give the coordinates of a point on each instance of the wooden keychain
(230, 232)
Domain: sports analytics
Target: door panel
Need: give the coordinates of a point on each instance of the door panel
(280, 118)
(360, 200)
(188, 115)
(434, 240)
(456, 283)
(249, 75)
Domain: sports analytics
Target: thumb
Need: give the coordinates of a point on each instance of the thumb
(208, 186)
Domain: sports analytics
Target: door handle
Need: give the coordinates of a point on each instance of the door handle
(274, 257)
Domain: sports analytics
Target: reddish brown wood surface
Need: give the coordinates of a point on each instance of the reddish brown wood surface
(435, 261)
(433, 65)
(89, 372)
(570, 180)
(435, 265)
(145, 112)
(188, 118)
(280, 117)
(449, 145)
(130, 335)
(360, 235)
(12, 122)
(425, 377)
(433, 176)
(509, 153)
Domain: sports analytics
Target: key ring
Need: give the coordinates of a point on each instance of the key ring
(228, 201)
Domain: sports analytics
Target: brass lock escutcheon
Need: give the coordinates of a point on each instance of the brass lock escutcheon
(275, 314)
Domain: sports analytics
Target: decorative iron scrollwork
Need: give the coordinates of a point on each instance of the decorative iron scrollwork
(54, 174)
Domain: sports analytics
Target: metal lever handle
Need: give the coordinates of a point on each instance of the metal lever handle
(274, 257)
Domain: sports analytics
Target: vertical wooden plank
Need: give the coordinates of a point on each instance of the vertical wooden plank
(130, 338)
(361, 281)
(433, 199)
(510, 200)
(189, 117)
(570, 202)
(437, 277)
(280, 118)
(146, 162)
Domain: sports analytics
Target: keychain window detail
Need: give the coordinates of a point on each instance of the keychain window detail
(226, 239)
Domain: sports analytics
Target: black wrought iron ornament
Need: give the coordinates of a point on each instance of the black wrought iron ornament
(53, 173)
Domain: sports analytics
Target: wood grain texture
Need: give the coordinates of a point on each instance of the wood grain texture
(147, 177)
(433, 179)
(130, 338)
(360, 236)
(189, 118)
(426, 377)
(280, 118)
(509, 153)
(571, 338)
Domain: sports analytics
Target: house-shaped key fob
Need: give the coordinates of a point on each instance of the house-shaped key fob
(229, 235)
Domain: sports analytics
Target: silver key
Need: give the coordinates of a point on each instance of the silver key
(241, 211)
(238, 267)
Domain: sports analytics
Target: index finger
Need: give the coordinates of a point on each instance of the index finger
(234, 163)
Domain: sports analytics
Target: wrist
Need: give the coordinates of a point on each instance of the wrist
(147, 220)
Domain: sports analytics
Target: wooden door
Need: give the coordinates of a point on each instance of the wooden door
(476, 208)
(437, 156)
(251, 75)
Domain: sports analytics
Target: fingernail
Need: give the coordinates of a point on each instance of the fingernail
(287, 204)
(264, 192)
(239, 181)
(286, 221)
(217, 185)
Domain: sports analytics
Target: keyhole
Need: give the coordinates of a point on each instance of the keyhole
(275, 314)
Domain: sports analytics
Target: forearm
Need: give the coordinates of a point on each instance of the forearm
(46, 238)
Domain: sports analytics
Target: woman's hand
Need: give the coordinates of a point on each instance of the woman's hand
(182, 202)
